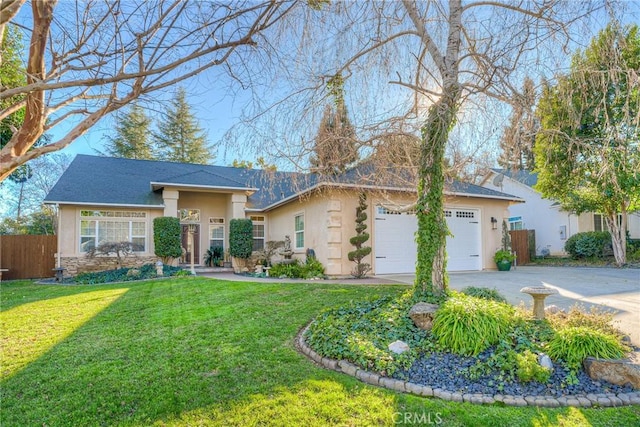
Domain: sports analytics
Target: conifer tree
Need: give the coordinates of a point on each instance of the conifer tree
(519, 137)
(132, 138)
(359, 239)
(335, 144)
(179, 137)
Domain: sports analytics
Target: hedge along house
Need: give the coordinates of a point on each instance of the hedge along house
(104, 199)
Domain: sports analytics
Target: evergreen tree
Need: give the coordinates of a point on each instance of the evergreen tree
(179, 137)
(132, 139)
(519, 137)
(335, 144)
(359, 239)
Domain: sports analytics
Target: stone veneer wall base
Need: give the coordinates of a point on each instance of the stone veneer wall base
(343, 366)
(84, 264)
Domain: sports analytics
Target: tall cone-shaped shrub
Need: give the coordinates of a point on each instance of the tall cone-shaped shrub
(357, 256)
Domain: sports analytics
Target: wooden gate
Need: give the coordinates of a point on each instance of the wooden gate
(521, 242)
(28, 256)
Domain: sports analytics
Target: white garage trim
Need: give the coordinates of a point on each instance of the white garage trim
(395, 247)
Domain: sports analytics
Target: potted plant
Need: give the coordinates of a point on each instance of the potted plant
(213, 257)
(504, 259)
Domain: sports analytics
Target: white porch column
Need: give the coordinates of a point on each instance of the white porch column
(238, 203)
(170, 202)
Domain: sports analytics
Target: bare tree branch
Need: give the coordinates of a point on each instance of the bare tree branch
(103, 55)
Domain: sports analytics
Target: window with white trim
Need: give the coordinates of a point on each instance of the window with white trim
(600, 223)
(516, 225)
(258, 232)
(299, 229)
(98, 227)
(216, 233)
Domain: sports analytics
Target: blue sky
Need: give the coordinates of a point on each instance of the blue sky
(218, 108)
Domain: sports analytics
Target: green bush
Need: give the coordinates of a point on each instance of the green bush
(240, 238)
(485, 293)
(292, 270)
(312, 268)
(528, 368)
(588, 244)
(296, 270)
(166, 238)
(467, 325)
(574, 344)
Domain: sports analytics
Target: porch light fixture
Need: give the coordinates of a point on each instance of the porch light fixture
(494, 223)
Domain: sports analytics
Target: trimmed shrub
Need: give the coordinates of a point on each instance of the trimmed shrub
(467, 325)
(166, 238)
(588, 244)
(574, 344)
(240, 238)
(356, 256)
(484, 293)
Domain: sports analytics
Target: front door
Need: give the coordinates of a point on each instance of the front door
(196, 244)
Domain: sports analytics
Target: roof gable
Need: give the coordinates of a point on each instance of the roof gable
(525, 177)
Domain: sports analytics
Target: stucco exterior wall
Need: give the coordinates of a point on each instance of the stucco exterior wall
(280, 223)
(540, 215)
(330, 223)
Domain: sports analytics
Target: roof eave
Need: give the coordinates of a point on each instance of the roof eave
(485, 196)
(112, 205)
(378, 188)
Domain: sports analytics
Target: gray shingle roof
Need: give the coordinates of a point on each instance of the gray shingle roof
(523, 176)
(127, 182)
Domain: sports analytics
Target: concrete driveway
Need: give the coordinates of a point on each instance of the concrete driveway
(614, 289)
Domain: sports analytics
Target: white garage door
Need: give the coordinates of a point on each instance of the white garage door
(395, 246)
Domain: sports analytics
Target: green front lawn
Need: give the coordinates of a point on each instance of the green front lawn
(197, 351)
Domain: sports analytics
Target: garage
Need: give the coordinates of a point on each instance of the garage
(395, 246)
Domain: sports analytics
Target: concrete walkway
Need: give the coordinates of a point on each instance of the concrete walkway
(608, 288)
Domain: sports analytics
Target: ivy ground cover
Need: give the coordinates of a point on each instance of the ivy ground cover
(198, 351)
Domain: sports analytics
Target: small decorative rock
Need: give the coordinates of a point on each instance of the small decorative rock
(422, 315)
(399, 347)
(616, 371)
(545, 361)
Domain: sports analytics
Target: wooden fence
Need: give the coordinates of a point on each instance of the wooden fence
(27, 256)
(522, 243)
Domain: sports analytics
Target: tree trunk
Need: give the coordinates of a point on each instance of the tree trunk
(431, 238)
(618, 236)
